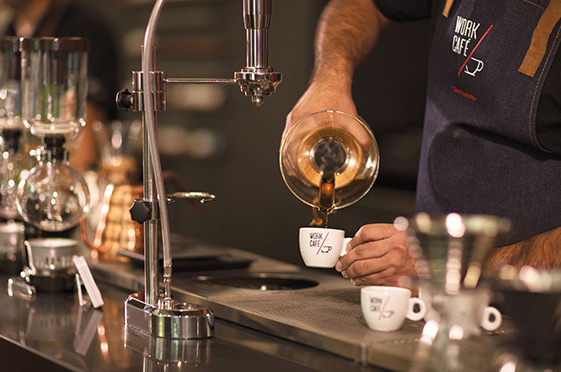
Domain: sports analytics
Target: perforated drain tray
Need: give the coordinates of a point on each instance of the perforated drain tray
(314, 307)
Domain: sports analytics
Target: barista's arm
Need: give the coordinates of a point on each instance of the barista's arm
(540, 251)
(346, 33)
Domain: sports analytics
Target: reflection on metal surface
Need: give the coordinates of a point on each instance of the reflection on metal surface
(86, 332)
(158, 350)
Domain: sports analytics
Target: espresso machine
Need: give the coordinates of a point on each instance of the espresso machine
(152, 311)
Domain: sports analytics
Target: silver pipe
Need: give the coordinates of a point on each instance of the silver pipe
(199, 81)
(257, 79)
(151, 267)
(257, 20)
(149, 116)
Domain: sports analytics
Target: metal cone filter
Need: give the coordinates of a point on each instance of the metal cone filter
(450, 250)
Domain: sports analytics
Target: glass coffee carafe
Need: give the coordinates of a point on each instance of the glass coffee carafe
(329, 160)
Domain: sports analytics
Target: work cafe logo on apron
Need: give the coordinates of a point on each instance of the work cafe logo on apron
(466, 40)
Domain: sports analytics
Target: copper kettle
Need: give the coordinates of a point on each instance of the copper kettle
(115, 230)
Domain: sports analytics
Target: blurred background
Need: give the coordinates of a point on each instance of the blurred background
(215, 140)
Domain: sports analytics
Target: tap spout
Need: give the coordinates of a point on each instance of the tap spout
(257, 80)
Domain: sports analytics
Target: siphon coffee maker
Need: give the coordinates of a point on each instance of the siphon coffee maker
(53, 197)
(450, 252)
(11, 154)
(329, 160)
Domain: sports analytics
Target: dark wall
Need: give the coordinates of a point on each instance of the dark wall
(256, 211)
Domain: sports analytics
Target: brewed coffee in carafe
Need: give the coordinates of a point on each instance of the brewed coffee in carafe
(329, 160)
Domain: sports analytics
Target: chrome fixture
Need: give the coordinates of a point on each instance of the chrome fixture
(148, 311)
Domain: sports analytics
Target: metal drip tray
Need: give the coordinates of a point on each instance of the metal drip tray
(262, 282)
(309, 306)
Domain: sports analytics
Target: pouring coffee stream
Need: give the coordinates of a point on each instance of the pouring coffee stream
(325, 201)
(330, 157)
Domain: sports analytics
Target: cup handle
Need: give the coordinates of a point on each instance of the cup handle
(492, 318)
(416, 315)
(345, 242)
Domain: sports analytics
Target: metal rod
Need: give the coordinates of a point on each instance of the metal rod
(257, 20)
(200, 81)
(151, 172)
(151, 268)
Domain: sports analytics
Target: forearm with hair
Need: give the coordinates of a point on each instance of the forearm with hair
(346, 33)
(540, 251)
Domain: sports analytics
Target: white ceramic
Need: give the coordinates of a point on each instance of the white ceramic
(386, 308)
(322, 247)
(50, 253)
(468, 309)
(11, 238)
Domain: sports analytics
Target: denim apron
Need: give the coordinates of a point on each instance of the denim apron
(480, 154)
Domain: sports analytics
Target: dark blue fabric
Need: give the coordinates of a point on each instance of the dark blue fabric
(548, 123)
(480, 151)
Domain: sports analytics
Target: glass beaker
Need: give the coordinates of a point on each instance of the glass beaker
(10, 84)
(329, 160)
(54, 85)
(11, 125)
(54, 196)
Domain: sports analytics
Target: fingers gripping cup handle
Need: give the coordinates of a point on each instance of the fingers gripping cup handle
(417, 309)
(345, 243)
(491, 319)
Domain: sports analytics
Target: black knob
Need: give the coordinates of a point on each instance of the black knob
(124, 100)
(141, 210)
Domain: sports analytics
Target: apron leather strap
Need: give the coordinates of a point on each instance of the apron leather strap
(540, 37)
(447, 7)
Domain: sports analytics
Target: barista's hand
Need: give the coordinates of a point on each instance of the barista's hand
(322, 95)
(377, 255)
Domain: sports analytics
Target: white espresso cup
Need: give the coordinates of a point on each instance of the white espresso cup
(386, 308)
(322, 247)
(468, 309)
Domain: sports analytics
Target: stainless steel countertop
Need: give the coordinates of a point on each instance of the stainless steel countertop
(325, 317)
(51, 332)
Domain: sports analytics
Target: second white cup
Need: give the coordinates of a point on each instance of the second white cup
(385, 308)
(322, 247)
